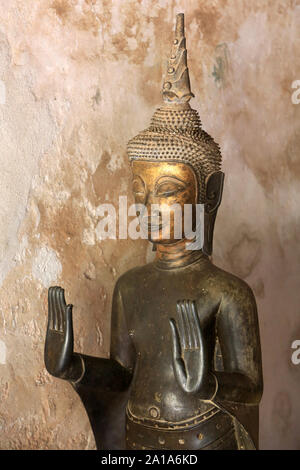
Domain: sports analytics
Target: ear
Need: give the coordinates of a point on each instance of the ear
(214, 190)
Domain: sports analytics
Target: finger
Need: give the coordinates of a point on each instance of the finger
(175, 339)
(55, 309)
(198, 333)
(181, 325)
(62, 309)
(50, 308)
(58, 310)
(192, 326)
(187, 324)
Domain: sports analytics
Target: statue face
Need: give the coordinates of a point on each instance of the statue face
(165, 184)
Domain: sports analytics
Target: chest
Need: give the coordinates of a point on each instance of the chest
(154, 302)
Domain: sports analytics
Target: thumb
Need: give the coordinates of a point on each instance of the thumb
(175, 339)
(69, 324)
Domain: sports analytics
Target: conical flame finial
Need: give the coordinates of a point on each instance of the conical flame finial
(176, 87)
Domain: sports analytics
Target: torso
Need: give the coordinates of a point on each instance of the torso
(149, 299)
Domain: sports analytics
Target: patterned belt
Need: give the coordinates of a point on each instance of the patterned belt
(207, 431)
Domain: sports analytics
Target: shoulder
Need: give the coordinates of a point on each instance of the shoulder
(231, 288)
(131, 279)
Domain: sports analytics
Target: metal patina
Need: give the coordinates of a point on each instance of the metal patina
(185, 362)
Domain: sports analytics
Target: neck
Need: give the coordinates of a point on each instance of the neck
(176, 255)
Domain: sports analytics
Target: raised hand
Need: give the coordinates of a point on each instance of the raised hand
(60, 360)
(189, 354)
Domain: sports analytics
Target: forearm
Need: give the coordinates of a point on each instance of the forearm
(230, 386)
(94, 371)
(237, 387)
(107, 374)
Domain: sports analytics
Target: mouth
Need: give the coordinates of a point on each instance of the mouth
(151, 225)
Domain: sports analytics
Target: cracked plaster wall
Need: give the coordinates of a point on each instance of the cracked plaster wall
(78, 78)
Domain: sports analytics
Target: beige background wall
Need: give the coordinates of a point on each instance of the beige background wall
(78, 78)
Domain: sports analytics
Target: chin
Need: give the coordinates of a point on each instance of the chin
(161, 239)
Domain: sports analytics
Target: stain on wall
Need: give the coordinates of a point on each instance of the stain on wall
(79, 78)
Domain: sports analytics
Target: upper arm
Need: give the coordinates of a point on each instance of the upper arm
(238, 333)
(121, 346)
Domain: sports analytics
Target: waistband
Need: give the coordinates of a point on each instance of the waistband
(156, 423)
(212, 431)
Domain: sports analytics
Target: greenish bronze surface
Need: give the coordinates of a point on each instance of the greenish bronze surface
(185, 363)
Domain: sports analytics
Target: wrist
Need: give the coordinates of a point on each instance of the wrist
(209, 391)
(214, 386)
(77, 369)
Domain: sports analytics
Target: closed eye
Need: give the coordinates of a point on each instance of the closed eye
(138, 186)
(169, 187)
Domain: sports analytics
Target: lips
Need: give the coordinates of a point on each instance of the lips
(152, 224)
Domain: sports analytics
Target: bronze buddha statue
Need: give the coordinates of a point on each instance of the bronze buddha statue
(185, 363)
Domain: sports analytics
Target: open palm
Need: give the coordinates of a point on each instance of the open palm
(189, 359)
(59, 338)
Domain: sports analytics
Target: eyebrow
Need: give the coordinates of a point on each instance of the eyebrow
(170, 177)
(138, 177)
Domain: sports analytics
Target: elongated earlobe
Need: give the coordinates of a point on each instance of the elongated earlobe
(214, 190)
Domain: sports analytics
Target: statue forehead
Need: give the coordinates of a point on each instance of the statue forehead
(154, 169)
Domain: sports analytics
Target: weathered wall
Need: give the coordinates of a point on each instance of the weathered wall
(78, 78)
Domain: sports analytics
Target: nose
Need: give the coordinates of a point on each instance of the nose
(150, 198)
(148, 201)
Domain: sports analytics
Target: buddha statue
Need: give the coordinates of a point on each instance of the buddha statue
(185, 362)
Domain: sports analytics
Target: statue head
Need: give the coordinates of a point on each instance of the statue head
(174, 161)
